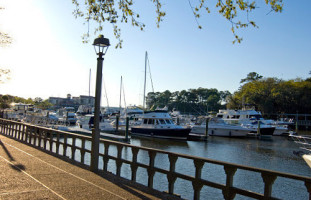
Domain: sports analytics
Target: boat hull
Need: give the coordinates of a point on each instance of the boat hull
(265, 131)
(162, 133)
(223, 131)
(227, 132)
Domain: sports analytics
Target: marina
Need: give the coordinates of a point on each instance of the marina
(208, 117)
(248, 155)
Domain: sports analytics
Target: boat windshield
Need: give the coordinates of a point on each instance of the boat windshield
(168, 121)
(162, 121)
(257, 117)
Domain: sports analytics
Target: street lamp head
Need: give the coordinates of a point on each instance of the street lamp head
(101, 45)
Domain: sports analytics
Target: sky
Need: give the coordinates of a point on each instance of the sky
(48, 59)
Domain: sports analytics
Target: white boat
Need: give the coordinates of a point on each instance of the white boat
(159, 124)
(218, 127)
(304, 143)
(87, 122)
(250, 118)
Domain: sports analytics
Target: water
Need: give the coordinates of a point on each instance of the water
(273, 154)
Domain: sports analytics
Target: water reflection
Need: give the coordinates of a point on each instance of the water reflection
(276, 154)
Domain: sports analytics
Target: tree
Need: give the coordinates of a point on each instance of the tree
(252, 76)
(272, 95)
(5, 39)
(44, 105)
(122, 11)
(4, 75)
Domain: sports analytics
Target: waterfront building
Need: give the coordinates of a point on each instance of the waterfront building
(69, 101)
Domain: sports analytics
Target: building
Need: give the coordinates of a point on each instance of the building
(75, 102)
(85, 100)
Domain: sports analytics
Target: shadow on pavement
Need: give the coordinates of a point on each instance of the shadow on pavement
(17, 167)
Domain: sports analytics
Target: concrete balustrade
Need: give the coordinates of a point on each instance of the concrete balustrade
(57, 143)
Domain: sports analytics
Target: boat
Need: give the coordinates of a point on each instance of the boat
(87, 123)
(218, 127)
(251, 117)
(159, 124)
(304, 143)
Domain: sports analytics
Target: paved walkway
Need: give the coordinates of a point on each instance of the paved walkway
(28, 173)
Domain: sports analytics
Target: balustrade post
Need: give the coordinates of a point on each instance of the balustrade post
(6, 128)
(19, 131)
(197, 184)
(65, 145)
(227, 192)
(82, 150)
(151, 171)
(73, 148)
(23, 133)
(170, 176)
(268, 179)
(51, 141)
(27, 133)
(35, 131)
(134, 165)
(40, 137)
(31, 130)
(106, 158)
(119, 161)
(11, 129)
(14, 130)
(57, 142)
(1, 125)
(45, 139)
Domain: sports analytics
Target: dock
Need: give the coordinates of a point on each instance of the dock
(29, 173)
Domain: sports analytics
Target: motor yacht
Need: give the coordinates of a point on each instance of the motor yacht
(159, 124)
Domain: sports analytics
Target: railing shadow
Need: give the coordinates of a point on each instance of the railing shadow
(17, 167)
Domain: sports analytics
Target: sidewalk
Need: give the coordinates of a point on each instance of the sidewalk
(28, 173)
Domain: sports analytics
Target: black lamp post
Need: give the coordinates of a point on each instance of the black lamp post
(101, 45)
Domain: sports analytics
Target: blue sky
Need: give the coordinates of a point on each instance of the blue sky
(47, 57)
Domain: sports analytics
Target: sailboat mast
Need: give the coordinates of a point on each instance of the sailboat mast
(90, 84)
(120, 94)
(146, 55)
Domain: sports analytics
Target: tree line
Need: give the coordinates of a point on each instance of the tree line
(191, 101)
(7, 100)
(269, 95)
(273, 96)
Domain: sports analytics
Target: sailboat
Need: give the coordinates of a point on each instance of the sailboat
(158, 123)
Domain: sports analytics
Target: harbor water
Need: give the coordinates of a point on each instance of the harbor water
(272, 154)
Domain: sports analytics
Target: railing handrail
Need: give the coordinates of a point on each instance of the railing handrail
(35, 135)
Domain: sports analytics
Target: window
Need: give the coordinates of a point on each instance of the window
(145, 121)
(151, 121)
(168, 121)
(162, 121)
